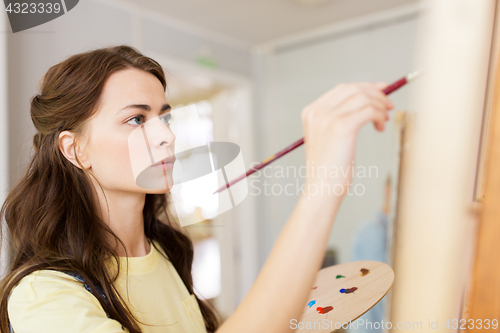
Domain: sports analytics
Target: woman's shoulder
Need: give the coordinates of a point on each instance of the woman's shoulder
(46, 296)
(48, 275)
(46, 285)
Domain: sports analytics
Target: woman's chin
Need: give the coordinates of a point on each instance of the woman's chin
(155, 180)
(162, 191)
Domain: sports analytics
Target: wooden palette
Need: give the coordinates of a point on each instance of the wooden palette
(373, 279)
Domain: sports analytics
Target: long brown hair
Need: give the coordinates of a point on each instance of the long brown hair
(50, 212)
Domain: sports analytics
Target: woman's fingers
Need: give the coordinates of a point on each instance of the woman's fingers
(372, 101)
(341, 93)
(348, 99)
(360, 101)
(381, 85)
(370, 113)
(376, 91)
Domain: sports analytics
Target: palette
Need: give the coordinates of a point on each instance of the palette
(342, 293)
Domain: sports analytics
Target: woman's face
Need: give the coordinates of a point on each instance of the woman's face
(129, 133)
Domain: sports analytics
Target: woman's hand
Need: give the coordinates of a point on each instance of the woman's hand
(331, 125)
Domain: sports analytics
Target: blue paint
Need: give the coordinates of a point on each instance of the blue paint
(311, 303)
(342, 291)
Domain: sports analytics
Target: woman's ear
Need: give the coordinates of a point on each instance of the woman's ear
(68, 146)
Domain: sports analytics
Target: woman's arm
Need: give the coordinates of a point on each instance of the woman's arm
(330, 124)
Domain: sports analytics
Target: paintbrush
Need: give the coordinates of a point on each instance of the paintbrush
(387, 90)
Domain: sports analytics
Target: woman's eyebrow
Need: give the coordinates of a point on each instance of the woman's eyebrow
(144, 107)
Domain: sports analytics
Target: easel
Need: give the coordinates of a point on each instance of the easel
(483, 294)
(434, 235)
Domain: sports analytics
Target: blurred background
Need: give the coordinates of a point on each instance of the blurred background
(251, 67)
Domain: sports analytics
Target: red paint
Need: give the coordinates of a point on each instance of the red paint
(324, 310)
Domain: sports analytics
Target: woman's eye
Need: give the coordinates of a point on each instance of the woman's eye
(166, 118)
(136, 117)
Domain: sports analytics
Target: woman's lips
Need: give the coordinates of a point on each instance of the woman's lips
(167, 163)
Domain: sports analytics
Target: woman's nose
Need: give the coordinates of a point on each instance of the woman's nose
(162, 134)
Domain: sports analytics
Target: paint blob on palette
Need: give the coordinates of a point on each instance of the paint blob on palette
(324, 310)
(348, 290)
(344, 292)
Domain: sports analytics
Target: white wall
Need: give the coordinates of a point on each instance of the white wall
(291, 73)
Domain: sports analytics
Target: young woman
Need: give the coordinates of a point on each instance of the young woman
(90, 251)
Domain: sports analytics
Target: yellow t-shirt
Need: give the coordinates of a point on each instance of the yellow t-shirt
(50, 301)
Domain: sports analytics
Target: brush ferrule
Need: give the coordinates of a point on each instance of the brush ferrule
(413, 75)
